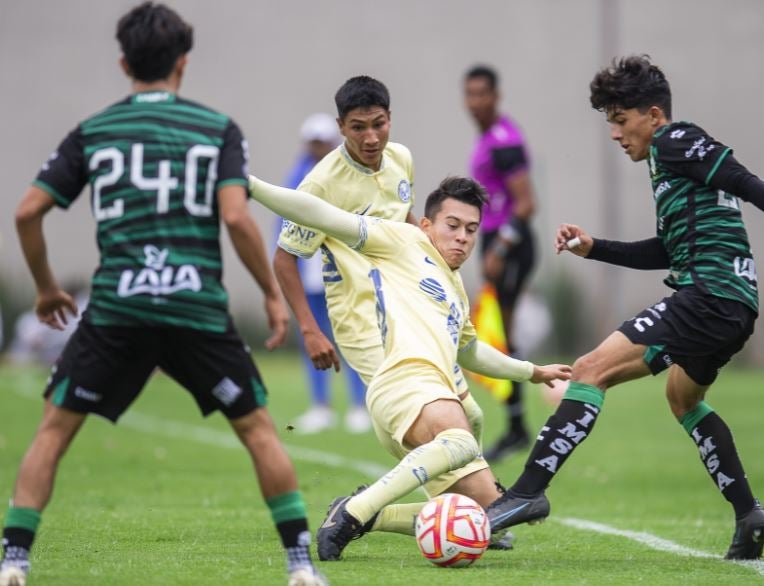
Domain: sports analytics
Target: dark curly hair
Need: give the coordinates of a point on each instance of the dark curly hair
(631, 82)
(152, 37)
(462, 189)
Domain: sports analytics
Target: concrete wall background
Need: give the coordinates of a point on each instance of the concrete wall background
(269, 64)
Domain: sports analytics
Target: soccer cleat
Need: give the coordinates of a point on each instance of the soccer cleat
(748, 540)
(307, 576)
(509, 510)
(340, 528)
(502, 542)
(12, 576)
(511, 442)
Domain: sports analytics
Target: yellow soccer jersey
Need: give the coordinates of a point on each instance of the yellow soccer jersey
(386, 193)
(421, 306)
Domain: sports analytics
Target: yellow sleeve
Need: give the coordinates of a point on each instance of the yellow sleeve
(300, 240)
(385, 238)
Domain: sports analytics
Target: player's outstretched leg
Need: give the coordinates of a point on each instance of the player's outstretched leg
(349, 516)
(525, 501)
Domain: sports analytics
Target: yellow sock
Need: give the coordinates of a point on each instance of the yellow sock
(451, 449)
(398, 518)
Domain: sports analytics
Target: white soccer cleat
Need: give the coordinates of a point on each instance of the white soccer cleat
(13, 576)
(315, 420)
(307, 576)
(357, 420)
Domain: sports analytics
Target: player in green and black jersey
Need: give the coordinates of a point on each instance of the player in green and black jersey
(163, 173)
(697, 187)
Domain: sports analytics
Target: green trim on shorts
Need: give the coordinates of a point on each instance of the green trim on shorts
(287, 507)
(23, 518)
(651, 352)
(584, 393)
(59, 392)
(691, 419)
(261, 398)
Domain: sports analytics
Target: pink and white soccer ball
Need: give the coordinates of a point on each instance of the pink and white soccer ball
(452, 530)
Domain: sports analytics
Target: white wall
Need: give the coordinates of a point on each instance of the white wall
(269, 64)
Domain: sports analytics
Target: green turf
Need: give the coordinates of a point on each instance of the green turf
(139, 504)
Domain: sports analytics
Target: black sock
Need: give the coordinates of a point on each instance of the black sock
(564, 430)
(296, 538)
(718, 453)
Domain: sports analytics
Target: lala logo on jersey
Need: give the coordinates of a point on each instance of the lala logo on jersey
(158, 279)
(404, 190)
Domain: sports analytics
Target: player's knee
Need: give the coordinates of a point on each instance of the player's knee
(586, 370)
(682, 403)
(460, 445)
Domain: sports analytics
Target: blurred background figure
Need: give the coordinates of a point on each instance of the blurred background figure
(500, 163)
(320, 134)
(35, 343)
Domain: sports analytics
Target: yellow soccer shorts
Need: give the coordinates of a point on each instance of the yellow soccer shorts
(396, 398)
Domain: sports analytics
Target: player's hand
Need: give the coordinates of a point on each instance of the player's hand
(321, 351)
(493, 265)
(574, 239)
(52, 306)
(551, 372)
(278, 320)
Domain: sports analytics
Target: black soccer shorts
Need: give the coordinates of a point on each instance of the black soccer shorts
(696, 330)
(103, 369)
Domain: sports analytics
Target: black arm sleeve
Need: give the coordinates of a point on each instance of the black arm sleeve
(647, 254)
(735, 179)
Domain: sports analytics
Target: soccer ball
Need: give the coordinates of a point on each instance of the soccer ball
(452, 530)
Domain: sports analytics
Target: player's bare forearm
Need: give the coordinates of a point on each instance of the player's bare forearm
(51, 304)
(250, 248)
(288, 275)
(318, 347)
(29, 217)
(306, 209)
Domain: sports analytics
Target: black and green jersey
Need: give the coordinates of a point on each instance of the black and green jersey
(700, 226)
(154, 163)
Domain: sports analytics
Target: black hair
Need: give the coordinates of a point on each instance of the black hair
(461, 189)
(361, 91)
(152, 37)
(631, 82)
(485, 72)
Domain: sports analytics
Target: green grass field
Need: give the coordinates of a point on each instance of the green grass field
(168, 498)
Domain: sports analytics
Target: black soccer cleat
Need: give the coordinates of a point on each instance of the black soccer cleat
(340, 528)
(509, 510)
(511, 442)
(748, 540)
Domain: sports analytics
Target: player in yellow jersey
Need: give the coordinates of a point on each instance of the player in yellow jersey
(423, 317)
(370, 176)
(365, 175)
